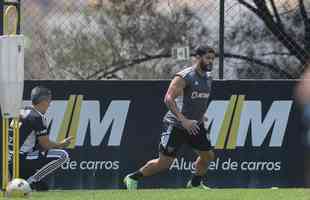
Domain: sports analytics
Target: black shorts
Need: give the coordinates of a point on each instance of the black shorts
(173, 138)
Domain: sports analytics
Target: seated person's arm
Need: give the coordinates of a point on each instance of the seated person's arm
(47, 144)
(43, 138)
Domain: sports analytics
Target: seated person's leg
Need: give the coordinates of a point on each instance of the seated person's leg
(45, 164)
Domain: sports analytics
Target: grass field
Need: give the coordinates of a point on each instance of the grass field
(176, 194)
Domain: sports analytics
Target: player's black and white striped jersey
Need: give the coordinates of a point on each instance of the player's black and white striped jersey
(193, 104)
(33, 124)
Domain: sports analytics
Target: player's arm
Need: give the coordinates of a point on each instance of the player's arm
(43, 138)
(47, 144)
(175, 89)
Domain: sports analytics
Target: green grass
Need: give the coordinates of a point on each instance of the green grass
(175, 194)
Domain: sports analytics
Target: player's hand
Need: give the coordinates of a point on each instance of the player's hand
(66, 142)
(191, 126)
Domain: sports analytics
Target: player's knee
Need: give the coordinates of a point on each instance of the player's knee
(166, 162)
(207, 156)
(161, 163)
(211, 156)
(201, 162)
(64, 156)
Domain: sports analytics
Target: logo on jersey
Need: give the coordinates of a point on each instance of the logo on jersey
(201, 95)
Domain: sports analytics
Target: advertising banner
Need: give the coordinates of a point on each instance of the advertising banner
(255, 129)
(256, 132)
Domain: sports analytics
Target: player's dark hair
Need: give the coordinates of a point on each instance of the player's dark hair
(202, 50)
(39, 94)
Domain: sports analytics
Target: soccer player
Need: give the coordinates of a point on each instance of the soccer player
(39, 156)
(187, 101)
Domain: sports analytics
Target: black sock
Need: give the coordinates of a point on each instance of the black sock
(196, 180)
(136, 175)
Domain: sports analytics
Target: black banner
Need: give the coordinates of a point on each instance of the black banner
(255, 129)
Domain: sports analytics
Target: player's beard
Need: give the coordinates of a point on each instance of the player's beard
(206, 67)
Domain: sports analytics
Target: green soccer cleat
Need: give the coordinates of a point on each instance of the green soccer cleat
(201, 186)
(130, 183)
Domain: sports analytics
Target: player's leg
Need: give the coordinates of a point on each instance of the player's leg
(202, 163)
(29, 164)
(44, 164)
(152, 167)
(171, 140)
(202, 146)
(27, 168)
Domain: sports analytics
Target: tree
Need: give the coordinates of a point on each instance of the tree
(105, 41)
(279, 41)
(133, 39)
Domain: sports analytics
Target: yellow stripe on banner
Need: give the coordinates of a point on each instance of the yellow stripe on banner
(12, 126)
(66, 120)
(231, 144)
(16, 149)
(226, 122)
(75, 121)
(7, 151)
(3, 153)
(16, 153)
